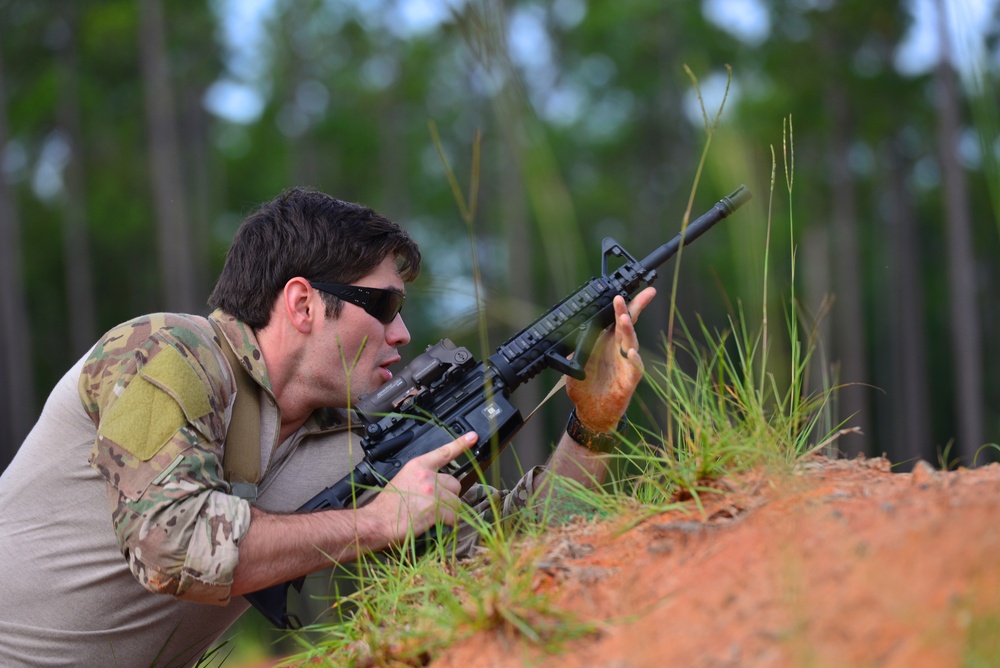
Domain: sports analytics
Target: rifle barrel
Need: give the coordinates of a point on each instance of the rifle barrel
(723, 208)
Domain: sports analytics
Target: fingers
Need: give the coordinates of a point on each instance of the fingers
(640, 302)
(436, 459)
(625, 318)
(448, 500)
(625, 335)
(431, 462)
(422, 494)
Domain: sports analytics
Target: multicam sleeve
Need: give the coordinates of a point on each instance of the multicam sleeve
(485, 501)
(159, 407)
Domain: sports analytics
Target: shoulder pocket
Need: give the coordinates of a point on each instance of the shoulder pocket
(166, 395)
(143, 434)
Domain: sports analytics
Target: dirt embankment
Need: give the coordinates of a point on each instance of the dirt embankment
(841, 564)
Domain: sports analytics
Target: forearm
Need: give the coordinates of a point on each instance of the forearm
(575, 462)
(612, 374)
(279, 548)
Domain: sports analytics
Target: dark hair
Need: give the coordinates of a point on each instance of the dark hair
(306, 233)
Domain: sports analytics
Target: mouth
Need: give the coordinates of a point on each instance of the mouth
(385, 365)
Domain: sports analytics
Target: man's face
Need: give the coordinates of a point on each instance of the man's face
(355, 350)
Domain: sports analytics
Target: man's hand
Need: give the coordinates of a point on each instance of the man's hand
(418, 496)
(279, 548)
(613, 370)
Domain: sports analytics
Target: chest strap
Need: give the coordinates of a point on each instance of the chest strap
(241, 455)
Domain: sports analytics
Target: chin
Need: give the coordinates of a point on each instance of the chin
(361, 390)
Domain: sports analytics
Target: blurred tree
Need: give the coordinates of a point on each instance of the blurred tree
(963, 289)
(179, 272)
(589, 126)
(17, 407)
(850, 324)
(63, 39)
(832, 66)
(911, 429)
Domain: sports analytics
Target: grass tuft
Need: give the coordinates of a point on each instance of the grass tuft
(409, 606)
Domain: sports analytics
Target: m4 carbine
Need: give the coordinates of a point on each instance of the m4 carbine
(445, 391)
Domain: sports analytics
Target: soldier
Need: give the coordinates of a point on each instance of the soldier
(121, 541)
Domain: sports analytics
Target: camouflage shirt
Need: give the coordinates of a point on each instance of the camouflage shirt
(158, 391)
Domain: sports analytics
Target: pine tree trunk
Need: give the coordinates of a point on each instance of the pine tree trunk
(79, 281)
(849, 322)
(967, 358)
(911, 411)
(177, 271)
(17, 388)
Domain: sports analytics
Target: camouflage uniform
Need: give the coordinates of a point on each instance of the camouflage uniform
(158, 392)
(152, 403)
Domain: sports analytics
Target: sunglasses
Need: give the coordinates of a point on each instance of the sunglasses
(383, 305)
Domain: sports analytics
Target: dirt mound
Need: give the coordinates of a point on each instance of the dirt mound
(842, 564)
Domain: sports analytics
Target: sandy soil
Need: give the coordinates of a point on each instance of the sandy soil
(842, 564)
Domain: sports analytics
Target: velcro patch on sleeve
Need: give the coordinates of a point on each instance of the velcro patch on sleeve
(166, 395)
(173, 374)
(142, 419)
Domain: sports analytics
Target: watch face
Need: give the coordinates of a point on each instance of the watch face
(596, 441)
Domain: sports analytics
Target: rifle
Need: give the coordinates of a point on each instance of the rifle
(445, 391)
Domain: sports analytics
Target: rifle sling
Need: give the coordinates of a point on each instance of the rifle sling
(241, 456)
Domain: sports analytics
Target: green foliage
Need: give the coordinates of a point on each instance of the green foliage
(347, 93)
(982, 641)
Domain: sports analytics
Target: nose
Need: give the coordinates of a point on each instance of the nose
(396, 333)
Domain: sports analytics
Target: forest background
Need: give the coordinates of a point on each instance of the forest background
(136, 134)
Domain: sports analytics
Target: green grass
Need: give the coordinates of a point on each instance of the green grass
(982, 645)
(407, 608)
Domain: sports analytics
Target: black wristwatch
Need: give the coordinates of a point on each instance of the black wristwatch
(595, 441)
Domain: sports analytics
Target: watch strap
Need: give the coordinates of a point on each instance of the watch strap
(595, 441)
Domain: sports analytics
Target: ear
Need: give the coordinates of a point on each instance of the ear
(302, 304)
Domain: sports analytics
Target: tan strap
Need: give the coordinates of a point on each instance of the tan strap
(241, 458)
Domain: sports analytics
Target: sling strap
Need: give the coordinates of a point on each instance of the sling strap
(241, 457)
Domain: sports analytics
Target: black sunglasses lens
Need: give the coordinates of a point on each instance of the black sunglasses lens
(383, 305)
(386, 306)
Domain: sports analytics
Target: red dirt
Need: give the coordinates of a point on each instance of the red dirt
(841, 564)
